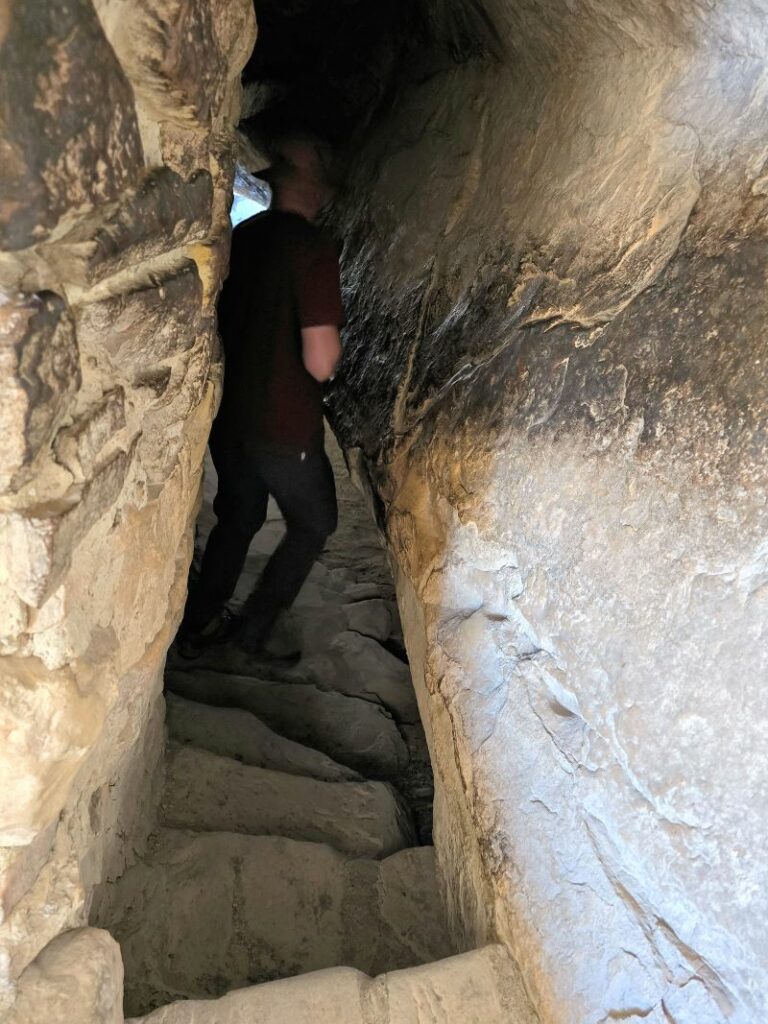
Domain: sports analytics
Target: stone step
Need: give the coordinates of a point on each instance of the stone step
(314, 629)
(206, 792)
(231, 732)
(355, 732)
(359, 666)
(481, 987)
(203, 913)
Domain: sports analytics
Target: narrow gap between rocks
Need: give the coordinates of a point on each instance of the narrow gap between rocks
(295, 822)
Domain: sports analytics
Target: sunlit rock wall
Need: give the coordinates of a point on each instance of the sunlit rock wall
(115, 176)
(557, 369)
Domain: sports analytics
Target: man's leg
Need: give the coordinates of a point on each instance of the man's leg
(241, 508)
(305, 491)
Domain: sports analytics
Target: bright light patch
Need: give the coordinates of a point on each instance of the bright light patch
(252, 195)
(244, 207)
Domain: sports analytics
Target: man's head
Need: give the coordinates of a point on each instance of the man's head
(300, 176)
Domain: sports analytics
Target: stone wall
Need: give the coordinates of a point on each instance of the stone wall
(115, 136)
(555, 271)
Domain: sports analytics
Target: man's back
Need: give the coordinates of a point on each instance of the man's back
(283, 276)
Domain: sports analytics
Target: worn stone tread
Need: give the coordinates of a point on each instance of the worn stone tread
(206, 792)
(203, 913)
(235, 733)
(359, 666)
(359, 733)
(479, 987)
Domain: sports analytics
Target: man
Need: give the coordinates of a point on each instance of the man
(279, 316)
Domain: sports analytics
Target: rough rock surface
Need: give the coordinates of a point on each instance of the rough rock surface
(206, 912)
(77, 977)
(555, 275)
(475, 988)
(114, 234)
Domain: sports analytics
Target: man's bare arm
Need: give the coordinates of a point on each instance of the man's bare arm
(321, 351)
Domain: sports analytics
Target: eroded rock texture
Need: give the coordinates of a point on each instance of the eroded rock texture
(116, 122)
(555, 272)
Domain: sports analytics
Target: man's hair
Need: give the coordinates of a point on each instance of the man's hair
(298, 158)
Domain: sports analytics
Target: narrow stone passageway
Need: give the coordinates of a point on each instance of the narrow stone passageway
(551, 222)
(295, 823)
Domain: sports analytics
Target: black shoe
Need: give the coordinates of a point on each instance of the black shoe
(221, 629)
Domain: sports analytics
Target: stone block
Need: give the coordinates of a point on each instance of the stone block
(39, 372)
(20, 866)
(46, 727)
(39, 541)
(78, 447)
(142, 328)
(57, 154)
(76, 979)
(359, 666)
(160, 214)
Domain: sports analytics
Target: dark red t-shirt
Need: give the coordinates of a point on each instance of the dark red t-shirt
(284, 275)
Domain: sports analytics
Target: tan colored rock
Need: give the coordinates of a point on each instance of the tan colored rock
(58, 154)
(202, 913)
(39, 374)
(47, 725)
(481, 987)
(40, 540)
(80, 445)
(170, 52)
(77, 978)
(142, 329)
(103, 425)
(204, 792)
(352, 731)
(239, 734)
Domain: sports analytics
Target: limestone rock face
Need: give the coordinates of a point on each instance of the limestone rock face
(555, 275)
(114, 234)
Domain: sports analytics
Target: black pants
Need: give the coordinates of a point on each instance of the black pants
(305, 491)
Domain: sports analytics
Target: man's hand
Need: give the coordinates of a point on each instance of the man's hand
(320, 351)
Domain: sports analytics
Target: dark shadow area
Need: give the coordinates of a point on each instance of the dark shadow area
(330, 69)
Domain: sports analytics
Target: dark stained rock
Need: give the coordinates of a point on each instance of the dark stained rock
(55, 154)
(39, 373)
(160, 214)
